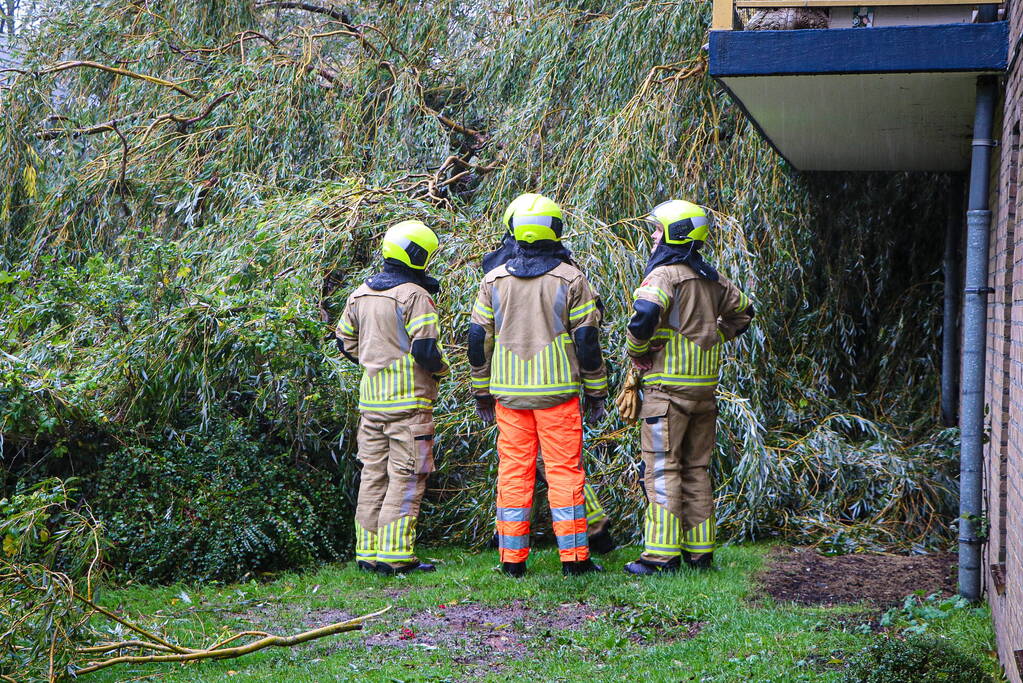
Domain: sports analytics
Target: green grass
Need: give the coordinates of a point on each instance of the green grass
(634, 629)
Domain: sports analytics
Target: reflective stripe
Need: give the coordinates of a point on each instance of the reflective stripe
(567, 514)
(513, 514)
(570, 541)
(549, 372)
(391, 388)
(661, 532)
(595, 384)
(485, 311)
(743, 303)
(661, 295)
(365, 544)
(700, 539)
(681, 380)
(636, 348)
(416, 323)
(385, 406)
(582, 310)
(513, 542)
(480, 382)
(547, 389)
(346, 327)
(396, 539)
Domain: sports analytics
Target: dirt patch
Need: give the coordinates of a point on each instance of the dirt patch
(804, 576)
(483, 636)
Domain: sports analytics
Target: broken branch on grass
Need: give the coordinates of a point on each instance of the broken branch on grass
(64, 66)
(215, 652)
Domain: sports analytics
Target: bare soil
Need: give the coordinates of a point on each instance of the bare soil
(804, 576)
(483, 635)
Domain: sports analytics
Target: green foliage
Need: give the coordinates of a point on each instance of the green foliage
(917, 613)
(51, 553)
(916, 658)
(170, 287)
(216, 505)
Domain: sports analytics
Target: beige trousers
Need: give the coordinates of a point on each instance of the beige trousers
(396, 453)
(677, 440)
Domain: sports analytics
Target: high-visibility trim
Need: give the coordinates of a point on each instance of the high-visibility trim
(506, 542)
(421, 321)
(657, 292)
(346, 326)
(513, 514)
(700, 539)
(581, 311)
(544, 390)
(661, 532)
(594, 510)
(365, 544)
(595, 384)
(680, 380)
(572, 541)
(484, 310)
(395, 540)
(481, 383)
(567, 514)
(743, 303)
(640, 348)
(392, 388)
(548, 373)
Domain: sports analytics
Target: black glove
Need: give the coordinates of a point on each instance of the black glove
(594, 409)
(485, 408)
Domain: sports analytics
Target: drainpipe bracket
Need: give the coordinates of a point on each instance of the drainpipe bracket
(978, 142)
(979, 290)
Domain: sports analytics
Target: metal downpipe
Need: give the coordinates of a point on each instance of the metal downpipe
(976, 289)
(950, 322)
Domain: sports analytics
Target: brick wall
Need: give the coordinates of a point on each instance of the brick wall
(1004, 451)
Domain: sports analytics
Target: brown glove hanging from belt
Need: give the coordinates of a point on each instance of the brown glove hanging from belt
(628, 402)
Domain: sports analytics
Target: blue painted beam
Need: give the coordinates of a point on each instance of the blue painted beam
(889, 49)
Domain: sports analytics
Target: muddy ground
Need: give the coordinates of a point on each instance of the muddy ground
(804, 576)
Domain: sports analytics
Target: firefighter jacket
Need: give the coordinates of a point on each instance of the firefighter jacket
(393, 335)
(533, 341)
(683, 320)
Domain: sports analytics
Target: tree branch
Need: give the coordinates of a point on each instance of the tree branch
(336, 14)
(232, 652)
(64, 66)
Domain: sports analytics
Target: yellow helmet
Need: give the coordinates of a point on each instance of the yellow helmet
(683, 221)
(533, 217)
(411, 243)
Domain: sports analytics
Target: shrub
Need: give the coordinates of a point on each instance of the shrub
(217, 505)
(915, 659)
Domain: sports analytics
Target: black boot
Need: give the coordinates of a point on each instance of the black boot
(366, 566)
(494, 543)
(514, 569)
(701, 561)
(602, 542)
(414, 567)
(580, 568)
(642, 567)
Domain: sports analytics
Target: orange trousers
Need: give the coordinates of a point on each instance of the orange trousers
(559, 432)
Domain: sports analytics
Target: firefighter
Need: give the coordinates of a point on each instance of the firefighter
(390, 328)
(598, 526)
(533, 341)
(684, 312)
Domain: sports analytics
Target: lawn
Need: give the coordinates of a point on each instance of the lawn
(467, 621)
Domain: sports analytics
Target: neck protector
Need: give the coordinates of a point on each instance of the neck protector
(537, 258)
(689, 254)
(397, 273)
(501, 255)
